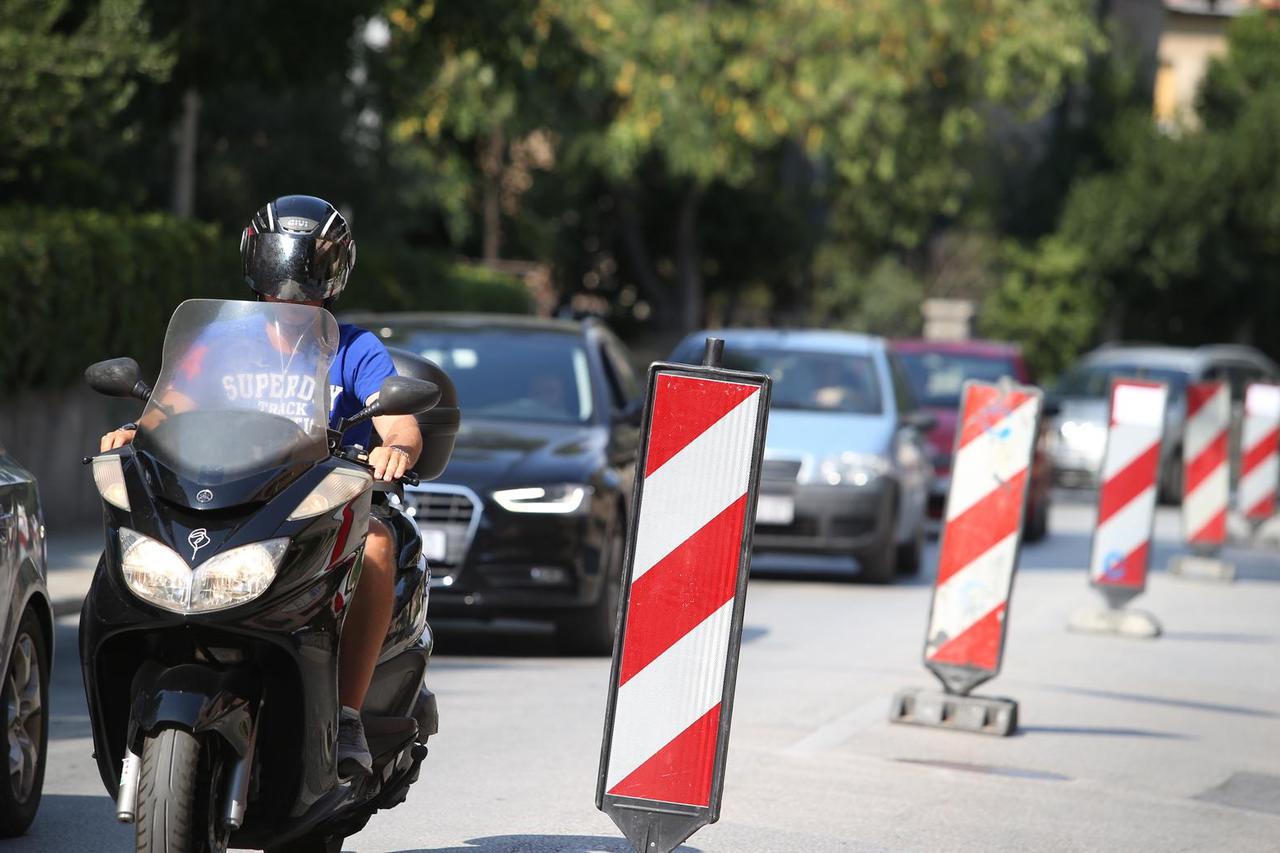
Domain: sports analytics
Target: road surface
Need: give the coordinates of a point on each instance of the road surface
(1164, 745)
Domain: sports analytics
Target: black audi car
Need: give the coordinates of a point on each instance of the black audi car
(529, 518)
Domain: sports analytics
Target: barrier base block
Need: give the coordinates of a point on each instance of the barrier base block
(989, 715)
(1121, 621)
(1195, 567)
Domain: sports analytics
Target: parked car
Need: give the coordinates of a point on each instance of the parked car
(26, 627)
(937, 371)
(1083, 391)
(845, 470)
(530, 516)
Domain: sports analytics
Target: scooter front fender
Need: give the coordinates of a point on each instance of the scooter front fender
(196, 698)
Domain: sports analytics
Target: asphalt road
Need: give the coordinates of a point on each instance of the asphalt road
(1164, 745)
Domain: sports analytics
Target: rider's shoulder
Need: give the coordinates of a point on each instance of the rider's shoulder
(359, 339)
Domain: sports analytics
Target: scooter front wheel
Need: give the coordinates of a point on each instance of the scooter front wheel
(169, 818)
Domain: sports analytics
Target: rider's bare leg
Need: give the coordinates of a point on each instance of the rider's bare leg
(368, 616)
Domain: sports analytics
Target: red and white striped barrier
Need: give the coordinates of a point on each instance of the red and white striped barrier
(1260, 452)
(982, 532)
(1206, 480)
(1121, 548)
(666, 733)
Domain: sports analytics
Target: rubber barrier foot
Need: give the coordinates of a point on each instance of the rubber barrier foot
(1199, 568)
(1121, 622)
(988, 715)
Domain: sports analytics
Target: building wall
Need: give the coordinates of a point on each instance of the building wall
(1187, 45)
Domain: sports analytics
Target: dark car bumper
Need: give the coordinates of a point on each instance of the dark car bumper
(504, 564)
(832, 520)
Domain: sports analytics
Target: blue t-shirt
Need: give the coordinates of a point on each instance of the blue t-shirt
(237, 362)
(358, 368)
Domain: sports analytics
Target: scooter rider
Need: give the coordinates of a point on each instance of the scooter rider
(300, 249)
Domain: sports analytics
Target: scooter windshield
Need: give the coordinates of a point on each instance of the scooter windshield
(243, 388)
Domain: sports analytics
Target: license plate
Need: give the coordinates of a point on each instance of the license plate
(775, 509)
(435, 544)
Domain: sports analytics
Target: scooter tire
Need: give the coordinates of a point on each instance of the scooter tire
(167, 819)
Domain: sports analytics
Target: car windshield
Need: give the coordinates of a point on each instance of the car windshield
(938, 377)
(243, 387)
(808, 380)
(511, 374)
(1094, 381)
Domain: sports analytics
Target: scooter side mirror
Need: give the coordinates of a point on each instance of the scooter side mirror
(117, 377)
(404, 395)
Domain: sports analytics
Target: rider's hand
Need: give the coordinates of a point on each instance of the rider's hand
(388, 463)
(116, 438)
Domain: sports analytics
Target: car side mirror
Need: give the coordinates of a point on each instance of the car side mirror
(118, 377)
(920, 421)
(1052, 406)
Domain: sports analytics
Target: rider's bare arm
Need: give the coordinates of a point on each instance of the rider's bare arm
(401, 445)
(172, 402)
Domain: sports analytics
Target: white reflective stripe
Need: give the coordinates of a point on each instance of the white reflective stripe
(1209, 422)
(972, 592)
(1262, 400)
(989, 460)
(695, 485)
(1258, 483)
(1138, 405)
(1124, 532)
(669, 695)
(1125, 444)
(1205, 501)
(1253, 430)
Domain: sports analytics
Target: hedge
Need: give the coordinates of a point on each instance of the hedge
(77, 286)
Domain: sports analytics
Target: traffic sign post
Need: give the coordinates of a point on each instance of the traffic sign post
(675, 659)
(1121, 550)
(1206, 483)
(981, 541)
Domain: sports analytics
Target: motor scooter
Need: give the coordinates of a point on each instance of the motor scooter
(235, 526)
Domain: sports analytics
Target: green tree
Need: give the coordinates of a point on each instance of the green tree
(1180, 242)
(68, 71)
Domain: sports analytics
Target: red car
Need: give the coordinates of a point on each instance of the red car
(937, 371)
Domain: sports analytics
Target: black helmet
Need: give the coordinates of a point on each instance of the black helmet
(298, 248)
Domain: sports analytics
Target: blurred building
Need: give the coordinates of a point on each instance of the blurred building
(1179, 38)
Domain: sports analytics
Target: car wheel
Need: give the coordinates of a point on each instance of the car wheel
(911, 554)
(1037, 526)
(590, 630)
(879, 562)
(1171, 479)
(26, 725)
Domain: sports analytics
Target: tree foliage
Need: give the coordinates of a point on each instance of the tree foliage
(1182, 233)
(67, 73)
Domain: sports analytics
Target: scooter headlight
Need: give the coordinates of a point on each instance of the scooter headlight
(154, 572)
(157, 574)
(108, 476)
(236, 576)
(339, 486)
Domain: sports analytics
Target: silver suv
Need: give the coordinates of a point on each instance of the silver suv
(1081, 425)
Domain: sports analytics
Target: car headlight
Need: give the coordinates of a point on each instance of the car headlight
(337, 488)
(108, 476)
(1085, 435)
(555, 500)
(157, 574)
(856, 469)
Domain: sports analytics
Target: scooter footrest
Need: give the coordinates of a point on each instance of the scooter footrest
(387, 734)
